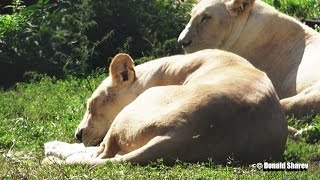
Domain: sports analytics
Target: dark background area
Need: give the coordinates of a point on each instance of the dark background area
(4, 3)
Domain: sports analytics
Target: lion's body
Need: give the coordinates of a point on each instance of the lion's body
(287, 50)
(206, 105)
(211, 116)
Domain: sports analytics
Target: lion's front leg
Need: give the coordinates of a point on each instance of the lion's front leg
(105, 152)
(108, 148)
(158, 147)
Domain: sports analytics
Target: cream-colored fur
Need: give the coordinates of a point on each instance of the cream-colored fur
(287, 50)
(208, 104)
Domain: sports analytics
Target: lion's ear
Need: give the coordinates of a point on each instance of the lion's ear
(122, 70)
(237, 7)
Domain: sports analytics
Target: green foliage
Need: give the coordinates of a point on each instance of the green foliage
(74, 37)
(47, 109)
(48, 38)
(11, 23)
(307, 9)
(140, 28)
(16, 5)
(317, 27)
(8, 22)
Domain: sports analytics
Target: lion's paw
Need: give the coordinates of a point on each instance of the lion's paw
(80, 158)
(52, 160)
(62, 149)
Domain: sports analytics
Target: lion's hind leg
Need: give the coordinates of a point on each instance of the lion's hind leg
(304, 106)
(160, 147)
(306, 103)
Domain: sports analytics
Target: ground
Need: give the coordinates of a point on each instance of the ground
(37, 112)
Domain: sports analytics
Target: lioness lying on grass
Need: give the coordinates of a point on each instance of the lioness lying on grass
(207, 105)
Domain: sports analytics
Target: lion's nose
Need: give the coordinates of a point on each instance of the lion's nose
(186, 43)
(79, 135)
(183, 38)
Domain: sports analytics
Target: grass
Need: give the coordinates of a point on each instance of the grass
(37, 112)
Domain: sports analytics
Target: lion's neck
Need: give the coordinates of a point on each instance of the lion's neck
(264, 32)
(277, 42)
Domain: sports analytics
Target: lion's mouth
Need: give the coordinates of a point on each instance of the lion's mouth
(185, 44)
(95, 142)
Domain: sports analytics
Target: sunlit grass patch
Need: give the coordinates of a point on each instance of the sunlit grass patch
(41, 111)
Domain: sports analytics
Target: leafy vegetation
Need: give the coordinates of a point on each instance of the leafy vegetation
(74, 37)
(47, 109)
(66, 37)
(45, 38)
(307, 9)
(317, 28)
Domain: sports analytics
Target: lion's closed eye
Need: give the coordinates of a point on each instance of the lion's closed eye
(205, 18)
(91, 106)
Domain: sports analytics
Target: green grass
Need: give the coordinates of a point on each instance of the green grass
(37, 112)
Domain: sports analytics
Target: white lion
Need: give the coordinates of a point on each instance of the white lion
(287, 50)
(206, 105)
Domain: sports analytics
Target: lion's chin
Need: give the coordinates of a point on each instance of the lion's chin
(89, 143)
(189, 49)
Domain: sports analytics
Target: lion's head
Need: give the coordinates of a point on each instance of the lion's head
(214, 24)
(113, 94)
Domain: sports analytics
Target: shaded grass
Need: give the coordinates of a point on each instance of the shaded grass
(37, 112)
